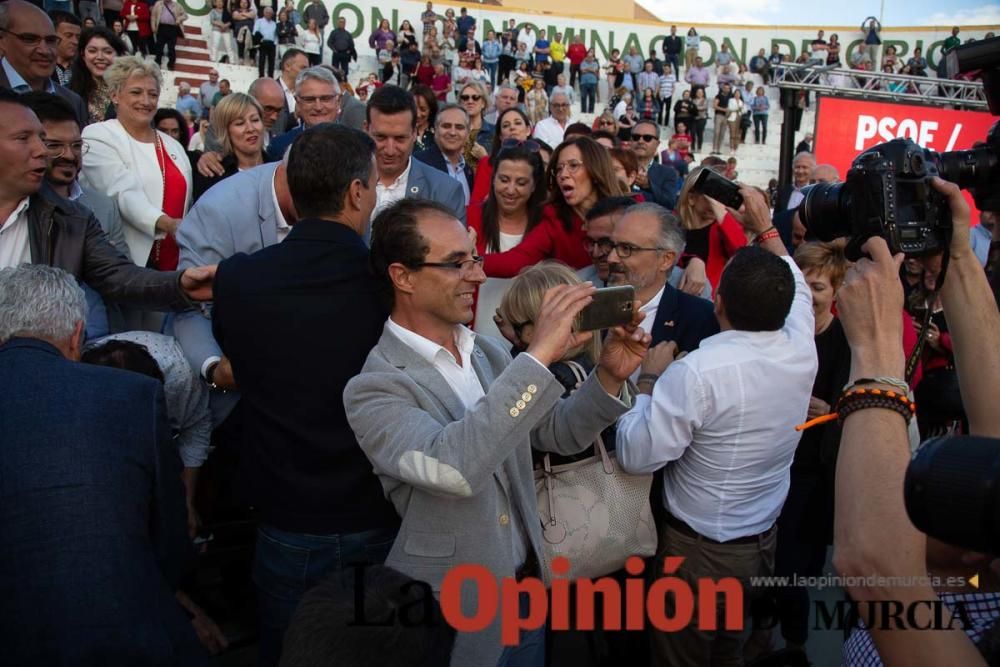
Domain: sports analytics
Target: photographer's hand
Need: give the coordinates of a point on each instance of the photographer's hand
(973, 321)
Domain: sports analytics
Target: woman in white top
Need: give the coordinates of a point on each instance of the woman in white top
(311, 40)
(512, 209)
(734, 116)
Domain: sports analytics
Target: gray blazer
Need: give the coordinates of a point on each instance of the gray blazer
(456, 476)
(426, 182)
(236, 215)
(106, 211)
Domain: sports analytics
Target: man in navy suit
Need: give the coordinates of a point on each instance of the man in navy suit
(297, 320)
(657, 182)
(446, 154)
(647, 240)
(93, 527)
(392, 122)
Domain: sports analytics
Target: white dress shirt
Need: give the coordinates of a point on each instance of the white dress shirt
(724, 419)
(648, 311)
(550, 131)
(386, 195)
(15, 246)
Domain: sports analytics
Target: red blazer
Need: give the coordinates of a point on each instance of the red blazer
(483, 179)
(724, 239)
(141, 18)
(548, 240)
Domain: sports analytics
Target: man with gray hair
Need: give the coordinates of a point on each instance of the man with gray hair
(317, 100)
(551, 130)
(504, 98)
(93, 514)
(187, 103)
(446, 154)
(646, 242)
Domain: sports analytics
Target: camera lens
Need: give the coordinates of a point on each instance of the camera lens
(822, 212)
(969, 169)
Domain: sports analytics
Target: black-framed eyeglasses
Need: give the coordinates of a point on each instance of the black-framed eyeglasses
(464, 265)
(58, 148)
(645, 137)
(604, 245)
(31, 39)
(625, 250)
(470, 98)
(316, 99)
(529, 144)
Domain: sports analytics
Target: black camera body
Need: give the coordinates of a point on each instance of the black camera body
(888, 193)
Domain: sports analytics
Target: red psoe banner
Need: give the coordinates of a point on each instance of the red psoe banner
(846, 127)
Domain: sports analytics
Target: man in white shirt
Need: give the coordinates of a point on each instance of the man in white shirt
(448, 420)
(551, 130)
(723, 418)
(528, 37)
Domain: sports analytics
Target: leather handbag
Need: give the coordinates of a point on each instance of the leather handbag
(592, 512)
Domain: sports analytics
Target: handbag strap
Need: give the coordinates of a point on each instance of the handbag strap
(599, 450)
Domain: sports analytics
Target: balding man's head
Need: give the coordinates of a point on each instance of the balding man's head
(34, 60)
(271, 98)
(825, 173)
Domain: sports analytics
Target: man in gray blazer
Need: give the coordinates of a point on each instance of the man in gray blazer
(391, 120)
(26, 67)
(448, 420)
(237, 215)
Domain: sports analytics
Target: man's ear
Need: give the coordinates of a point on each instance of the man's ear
(401, 277)
(74, 349)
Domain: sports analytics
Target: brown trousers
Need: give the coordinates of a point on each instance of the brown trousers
(704, 559)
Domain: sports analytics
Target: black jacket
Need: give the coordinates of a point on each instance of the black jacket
(61, 234)
(297, 320)
(673, 45)
(75, 101)
(684, 319)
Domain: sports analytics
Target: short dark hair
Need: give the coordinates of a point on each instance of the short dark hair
(289, 54)
(579, 128)
(604, 134)
(322, 632)
(391, 100)
(10, 97)
(49, 107)
(167, 112)
(757, 288)
(647, 121)
(322, 164)
(396, 238)
(126, 355)
(609, 205)
(58, 17)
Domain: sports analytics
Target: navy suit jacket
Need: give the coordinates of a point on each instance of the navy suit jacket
(297, 320)
(684, 319)
(662, 185)
(433, 157)
(93, 528)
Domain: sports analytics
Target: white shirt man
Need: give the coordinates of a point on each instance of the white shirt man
(528, 37)
(14, 246)
(551, 130)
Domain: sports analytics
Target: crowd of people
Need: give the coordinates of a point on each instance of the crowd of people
(275, 359)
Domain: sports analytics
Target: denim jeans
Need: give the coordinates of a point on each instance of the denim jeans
(287, 565)
(492, 69)
(588, 93)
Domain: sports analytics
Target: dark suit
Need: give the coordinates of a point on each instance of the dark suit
(684, 319)
(662, 185)
(297, 320)
(782, 217)
(75, 101)
(433, 157)
(93, 528)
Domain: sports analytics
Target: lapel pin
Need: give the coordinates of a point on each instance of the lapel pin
(668, 323)
(414, 190)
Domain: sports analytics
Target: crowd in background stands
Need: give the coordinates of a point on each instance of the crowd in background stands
(290, 429)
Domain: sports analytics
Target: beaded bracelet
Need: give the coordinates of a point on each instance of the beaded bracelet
(860, 399)
(878, 379)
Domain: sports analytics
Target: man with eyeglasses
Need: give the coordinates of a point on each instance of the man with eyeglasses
(300, 463)
(448, 420)
(317, 100)
(551, 130)
(451, 131)
(657, 182)
(29, 42)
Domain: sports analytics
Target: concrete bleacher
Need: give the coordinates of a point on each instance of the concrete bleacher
(757, 164)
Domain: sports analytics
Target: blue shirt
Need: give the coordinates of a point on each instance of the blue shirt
(458, 173)
(491, 51)
(17, 82)
(188, 104)
(268, 30)
(542, 43)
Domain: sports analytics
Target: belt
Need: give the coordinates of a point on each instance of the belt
(530, 568)
(687, 530)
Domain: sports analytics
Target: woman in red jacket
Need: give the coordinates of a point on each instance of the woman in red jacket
(135, 17)
(713, 235)
(579, 174)
(512, 209)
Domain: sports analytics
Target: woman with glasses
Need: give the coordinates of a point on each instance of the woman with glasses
(513, 127)
(580, 173)
(98, 49)
(713, 236)
(472, 97)
(606, 123)
(512, 209)
(145, 171)
(237, 123)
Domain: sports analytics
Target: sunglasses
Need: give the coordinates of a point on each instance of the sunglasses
(529, 144)
(470, 98)
(645, 137)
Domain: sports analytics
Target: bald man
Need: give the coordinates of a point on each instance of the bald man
(271, 98)
(25, 68)
(825, 173)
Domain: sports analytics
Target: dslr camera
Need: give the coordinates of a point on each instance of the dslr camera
(888, 193)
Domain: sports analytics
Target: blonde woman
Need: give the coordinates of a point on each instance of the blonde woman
(237, 122)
